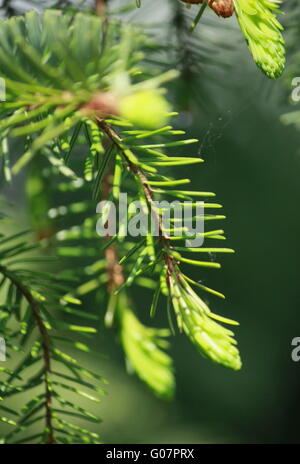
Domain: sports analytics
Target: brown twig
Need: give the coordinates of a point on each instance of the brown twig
(114, 269)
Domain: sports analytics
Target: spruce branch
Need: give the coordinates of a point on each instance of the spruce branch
(31, 301)
(34, 304)
(193, 316)
(109, 103)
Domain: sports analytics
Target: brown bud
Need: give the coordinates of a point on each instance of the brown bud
(223, 8)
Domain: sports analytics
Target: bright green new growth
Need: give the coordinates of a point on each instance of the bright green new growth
(197, 321)
(143, 347)
(146, 108)
(262, 32)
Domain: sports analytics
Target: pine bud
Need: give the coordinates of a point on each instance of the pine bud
(223, 8)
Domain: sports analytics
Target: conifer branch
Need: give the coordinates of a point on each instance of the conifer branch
(35, 307)
(193, 316)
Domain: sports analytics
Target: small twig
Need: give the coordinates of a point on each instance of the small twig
(114, 269)
(199, 16)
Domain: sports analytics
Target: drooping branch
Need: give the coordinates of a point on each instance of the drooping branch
(193, 315)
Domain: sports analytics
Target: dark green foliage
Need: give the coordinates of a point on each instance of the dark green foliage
(36, 333)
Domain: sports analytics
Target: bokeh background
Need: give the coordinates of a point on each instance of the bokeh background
(252, 163)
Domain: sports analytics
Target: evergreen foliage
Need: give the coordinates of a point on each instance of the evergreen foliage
(86, 102)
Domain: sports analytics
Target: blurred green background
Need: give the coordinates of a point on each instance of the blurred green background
(252, 163)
